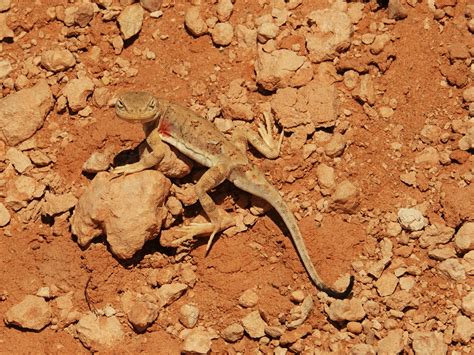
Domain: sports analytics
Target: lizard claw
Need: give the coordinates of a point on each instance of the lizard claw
(267, 130)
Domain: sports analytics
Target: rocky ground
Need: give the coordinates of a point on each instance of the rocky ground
(376, 101)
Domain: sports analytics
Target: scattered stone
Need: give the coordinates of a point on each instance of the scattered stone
(84, 14)
(467, 142)
(39, 158)
(5, 68)
(194, 23)
(291, 337)
(297, 296)
(267, 31)
(464, 238)
(233, 332)
(363, 349)
(95, 332)
(141, 310)
(98, 161)
(354, 327)
(197, 341)
(170, 293)
(77, 91)
(57, 204)
(254, 325)
(453, 269)
(29, 107)
(300, 313)
(468, 94)
(463, 329)
(4, 215)
(411, 219)
(387, 284)
(5, 30)
(18, 159)
(346, 197)
(32, 313)
(188, 315)
(467, 304)
(441, 254)
(248, 299)
(428, 343)
(457, 203)
(274, 331)
(365, 92)
(326, 179)
(22, 190)
(151, 5)
(128, 219)
(392, 343)
(435, 234)
(57, 60)
(5, 5)
(130, 20)
(222, 34)
(332, 34)
(335, 146)
(346, 310)
(224, 10)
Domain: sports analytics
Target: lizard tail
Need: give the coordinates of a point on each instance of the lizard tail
(255, 183)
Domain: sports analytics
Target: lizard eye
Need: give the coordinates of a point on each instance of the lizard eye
(119, 104)
(152, 104)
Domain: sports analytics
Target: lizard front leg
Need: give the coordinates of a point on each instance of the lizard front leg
(219, 219)
(263, 141)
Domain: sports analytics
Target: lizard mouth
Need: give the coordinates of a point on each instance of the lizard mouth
(136, 117)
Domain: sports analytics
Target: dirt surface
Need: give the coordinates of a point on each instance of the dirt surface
(401, 149)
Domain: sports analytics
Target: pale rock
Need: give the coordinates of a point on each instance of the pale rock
(275, 70)
(5, 5)
(408, 178)
(266, 31)
(101, 97)
(188, 276)
(188, 315)
(315, 105)
(170, 293)
(57, 60)
(222, 34)
(129, 211)
(141, 310)
(65, 313)
(376, 268)
(151, 5)
(18, 159)
(332, 34)
(467, 142)
(435, 234)
(29, 107)
(248, 299)
(246, 37)
(392, 343)
(430, 134)
(98, 161)
(396, 10)
(5, 30)
(39, 158)
(162, 276)
(467, 304)
(22, 190)
(130, 20)
(453, 269)
(379, 43)
(224, 10)
(362, 349)
(194, 23)
(274, 331)
(428, 157)
(346, 310)
(411, 219)
(197, 341)
(428, 343)
(441, 254)
(5, 68)
(297, 296)
(468, 94)
(335, 146)
(84, 14)
(393, 229)
(351, 79)
(32, 313)
(365, 92)
(254, 325)
(299, 313)
(57, 204)
(468, 263)
(96, 332)
(464, 238)
(233, 332)
(386, 112)
(463, 329)
(4, 215)
(346, 197)
(386, 284)
(77, 91)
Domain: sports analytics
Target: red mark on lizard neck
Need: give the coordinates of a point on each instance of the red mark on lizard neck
(165, 127)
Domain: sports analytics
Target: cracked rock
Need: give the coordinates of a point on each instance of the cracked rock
(428, 343)
(96, 332)
(170, 293)
(197, 341)
(346, 197)
(411, 219)
(141, 310)
(56, 204)
(32, 313)
(130, 20)
(453, 269)
(463, 330)
(254, 325)
(57, 60)
(392, 343)
(188, 315)
(346, 310)
(18, 159)
(386, 284)
(77, 91)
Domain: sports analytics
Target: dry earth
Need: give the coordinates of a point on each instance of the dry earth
(376, 100)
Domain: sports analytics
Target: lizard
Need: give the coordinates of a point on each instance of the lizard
(166, 123)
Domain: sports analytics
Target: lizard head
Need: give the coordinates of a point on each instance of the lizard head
(136, 106)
